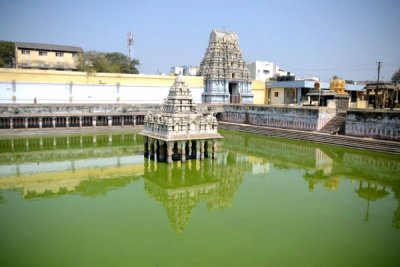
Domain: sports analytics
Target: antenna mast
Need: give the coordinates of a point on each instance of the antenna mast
(130, 44)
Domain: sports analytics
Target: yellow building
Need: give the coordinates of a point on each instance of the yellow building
(46, 56)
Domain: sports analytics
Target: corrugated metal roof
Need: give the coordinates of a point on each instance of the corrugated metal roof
(49, 47)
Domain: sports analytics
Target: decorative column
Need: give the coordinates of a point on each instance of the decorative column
(183, 151)
(214, 149)
(11, 123)
(40, 122)
(134, 121)
(67, 122)
(26, 123)
(122, 121)
(80, 122)
(109, 121)
(201, 150)
(170, 146)
(53, 121)
(94, 121)
(146, 147)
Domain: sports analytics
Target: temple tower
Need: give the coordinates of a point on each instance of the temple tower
(226, 77)
(178, 131)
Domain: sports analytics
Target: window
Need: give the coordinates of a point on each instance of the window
(26, 52)
(59, 54)
(42, 53)
(266, 71)
(276, 94)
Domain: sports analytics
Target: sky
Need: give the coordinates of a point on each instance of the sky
(319, 38)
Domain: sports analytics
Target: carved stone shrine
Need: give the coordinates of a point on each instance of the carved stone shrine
(178, 131)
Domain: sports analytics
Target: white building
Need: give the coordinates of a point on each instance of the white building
(184, 70)
(263, 70)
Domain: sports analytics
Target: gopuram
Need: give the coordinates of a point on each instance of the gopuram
(226, 77)
(178, 131)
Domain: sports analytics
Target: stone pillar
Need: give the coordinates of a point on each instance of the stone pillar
(206, 149)
(134, 121)
(170, 146)
(53, 121)
(109, 121)
(146, 147)
(80, 122)
(214, 149)
(67, 122)
(183, 151)
(26, 123)
(152, 141)
(40, 122)
(94, 121)
(11, 123)
(201, 150)
(122, 121)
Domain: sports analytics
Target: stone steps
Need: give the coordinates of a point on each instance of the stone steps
(335, 125)
(360, 143)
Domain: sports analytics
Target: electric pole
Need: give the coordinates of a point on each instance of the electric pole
(377, 84)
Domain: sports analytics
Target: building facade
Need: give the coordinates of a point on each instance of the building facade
(264, 70)
(226, 77)
(47, 56)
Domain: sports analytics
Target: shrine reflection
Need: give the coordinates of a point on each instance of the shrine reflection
(180, 187)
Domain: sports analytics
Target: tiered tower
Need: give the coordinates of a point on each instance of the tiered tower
(226, 77)
(178, 131)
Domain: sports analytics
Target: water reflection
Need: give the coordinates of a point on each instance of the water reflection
(93, 165)
(181, 186)
(55, 166)
(376, 174)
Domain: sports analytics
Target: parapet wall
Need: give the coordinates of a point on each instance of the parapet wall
(298, 118)
(374, 124)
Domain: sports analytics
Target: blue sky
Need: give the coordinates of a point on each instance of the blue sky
(320, 38)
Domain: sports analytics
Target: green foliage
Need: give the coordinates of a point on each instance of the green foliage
(7, 54)
(396, 76)
(114, 62)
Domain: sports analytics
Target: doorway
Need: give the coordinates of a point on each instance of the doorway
(234, 93)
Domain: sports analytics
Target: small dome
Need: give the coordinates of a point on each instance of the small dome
(338, 85)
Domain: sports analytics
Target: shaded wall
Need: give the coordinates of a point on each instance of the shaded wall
(379, 124)
(299, 118)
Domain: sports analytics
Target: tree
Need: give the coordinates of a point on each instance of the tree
(7, 54)
(114, 62)
(396, 76)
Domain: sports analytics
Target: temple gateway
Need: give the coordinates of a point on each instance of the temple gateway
(178, 131)
(226, 77)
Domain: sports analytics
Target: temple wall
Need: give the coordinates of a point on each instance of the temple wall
(374, 124)
(298, 118)
(22, 86)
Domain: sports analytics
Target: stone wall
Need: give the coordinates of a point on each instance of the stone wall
(379, 124)
(299, 118)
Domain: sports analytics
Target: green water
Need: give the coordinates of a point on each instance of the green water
(87, 200)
